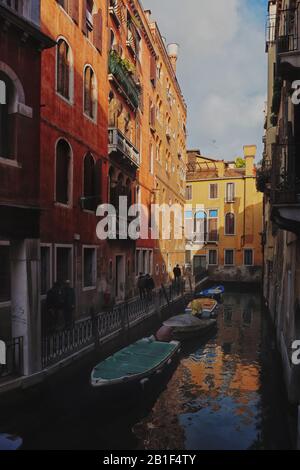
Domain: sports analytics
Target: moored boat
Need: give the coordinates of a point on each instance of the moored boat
(202, 308)
(215, 292)
(8, 442)
(134, 364)
(188, 326)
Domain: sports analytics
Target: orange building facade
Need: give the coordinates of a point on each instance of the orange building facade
(74, 140)
(168, 117)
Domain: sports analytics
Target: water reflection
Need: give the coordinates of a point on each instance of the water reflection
(214, 399)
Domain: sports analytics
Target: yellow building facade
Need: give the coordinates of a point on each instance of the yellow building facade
(225, 211)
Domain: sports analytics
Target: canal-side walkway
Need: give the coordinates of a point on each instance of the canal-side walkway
(106, 331)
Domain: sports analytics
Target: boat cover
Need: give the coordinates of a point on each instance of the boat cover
(183, 321)
(138, 358)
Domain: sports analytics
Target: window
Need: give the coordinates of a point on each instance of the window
(230, 224)
(6, 118)
(63, 169)
(45, 269)
(213, 257)
(64, 78)
(213, 235)
(91, 183)
(201, 226)
(157, 269)
(151, 160)
(189, 192)
(248, 257)
(90, 93)
(5, 273)
(64, 264)
(188, 257)
(213, 191)
(229, 257)
(89, 267)
(230, 192)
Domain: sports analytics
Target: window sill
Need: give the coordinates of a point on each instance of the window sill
(89, 118)
(10, 162)
(70, 101)
(88, 289)
(62, 205)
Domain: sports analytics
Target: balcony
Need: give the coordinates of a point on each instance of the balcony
(119, 145)
(123, 79)
(288, 43)
(285, 188)
(115, 12)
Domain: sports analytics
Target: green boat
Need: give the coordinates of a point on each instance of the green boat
(135, 363)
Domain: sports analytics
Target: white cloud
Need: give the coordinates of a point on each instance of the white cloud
(221, 69)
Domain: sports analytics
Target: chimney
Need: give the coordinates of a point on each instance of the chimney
(173, 50)
(148, 15)
(249, 154)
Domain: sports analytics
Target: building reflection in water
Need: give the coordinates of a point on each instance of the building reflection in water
(213, 400)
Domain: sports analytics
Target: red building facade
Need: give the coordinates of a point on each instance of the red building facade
(74, 142)
(21, 44)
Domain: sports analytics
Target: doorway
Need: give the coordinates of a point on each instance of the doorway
(199, 266)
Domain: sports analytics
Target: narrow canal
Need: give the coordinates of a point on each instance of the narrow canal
(226, 393)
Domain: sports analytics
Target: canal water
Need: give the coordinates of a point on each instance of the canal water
(224, 393)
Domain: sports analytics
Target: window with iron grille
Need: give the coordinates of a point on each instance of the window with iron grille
(229, 258)
(248, 257)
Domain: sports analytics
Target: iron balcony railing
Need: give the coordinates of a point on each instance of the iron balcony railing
(285, 184)
(118, 142)
(124, 79)
(287, 32)
(271, 29)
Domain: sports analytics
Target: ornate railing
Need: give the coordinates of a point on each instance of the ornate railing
(98, 328)
(118, 142)
(284, 183)
(13, 358)
(288, 35)
(60, 344)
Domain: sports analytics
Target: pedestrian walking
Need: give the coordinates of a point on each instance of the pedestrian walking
(55, 306)
(69, 304)
(141, 286)
(177, 278)
(149, 286)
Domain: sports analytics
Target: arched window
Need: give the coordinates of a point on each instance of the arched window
(6, 89)
(90, 93)
(64, 77)
(201, 226)
(63, 172)
(230, 224)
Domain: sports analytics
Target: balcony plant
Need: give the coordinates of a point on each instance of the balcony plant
(263, 179)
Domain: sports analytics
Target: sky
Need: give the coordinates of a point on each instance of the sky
(222, 70)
